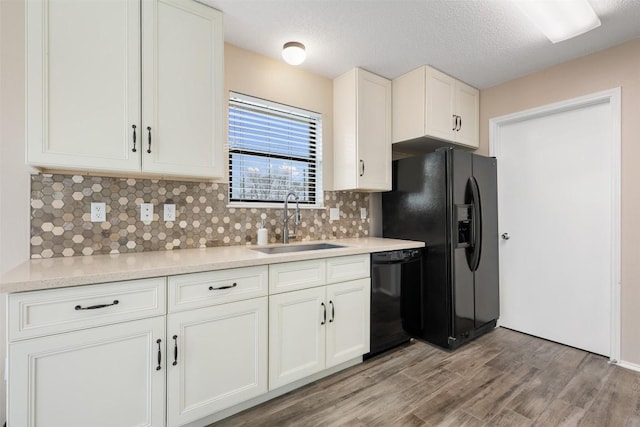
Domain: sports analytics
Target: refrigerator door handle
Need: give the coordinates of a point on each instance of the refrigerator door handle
(474, 262)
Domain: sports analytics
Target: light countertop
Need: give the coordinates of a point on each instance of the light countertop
(50, 273)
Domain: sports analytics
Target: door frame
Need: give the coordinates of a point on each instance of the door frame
(613, 98)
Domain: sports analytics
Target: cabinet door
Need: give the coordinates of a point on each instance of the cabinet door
(221, 358)
(374, 132)
(440, 101)
(98, 377)
(468, 108)
(83, 84)
(348, 320)
(296, 335)
(408, 105)
(182, 88)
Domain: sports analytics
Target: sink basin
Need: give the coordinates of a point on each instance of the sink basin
(297, 248)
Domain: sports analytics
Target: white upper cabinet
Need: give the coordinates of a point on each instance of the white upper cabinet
(429, 103)
(125, 86)
(362, 131)
(182, 75)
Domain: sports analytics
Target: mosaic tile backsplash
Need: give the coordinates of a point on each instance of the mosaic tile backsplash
(61, 216)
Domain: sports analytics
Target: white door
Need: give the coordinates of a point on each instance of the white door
(216, 358)
(296, 335)
(348, 320)
(182, 46)
(374, 131)
(83, 84)
(557, 197)
(440, 99)
(99, 377)
(468, 108)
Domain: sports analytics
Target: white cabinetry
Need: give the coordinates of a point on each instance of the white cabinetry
(362, 131)
(429, 103)
(217, 358)
(319, 327)
(125, 86)
(98, 376)
(217, 353)
(124, 354)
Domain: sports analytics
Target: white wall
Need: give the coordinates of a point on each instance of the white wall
(14, 175)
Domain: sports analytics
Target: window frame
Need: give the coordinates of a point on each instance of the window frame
(314, 158)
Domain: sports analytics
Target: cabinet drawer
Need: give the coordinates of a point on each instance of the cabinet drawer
(51, 311)
(344, 268)
(196, 290)
(291, 276)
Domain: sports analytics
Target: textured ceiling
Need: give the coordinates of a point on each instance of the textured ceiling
(482, 42)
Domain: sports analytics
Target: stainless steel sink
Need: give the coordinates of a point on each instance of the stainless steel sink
(297, 248)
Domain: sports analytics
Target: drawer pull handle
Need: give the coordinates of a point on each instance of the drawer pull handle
(134, 138)
(211, 288)
(175, 350)
(149, 130)
(324, 316)
(159, 355)
(94, 307)
(333, 312)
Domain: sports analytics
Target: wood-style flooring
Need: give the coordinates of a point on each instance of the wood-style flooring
(503, 378)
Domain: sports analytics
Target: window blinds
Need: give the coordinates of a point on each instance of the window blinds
(273, 149)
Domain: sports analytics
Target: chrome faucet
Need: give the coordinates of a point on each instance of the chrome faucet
(296, 216)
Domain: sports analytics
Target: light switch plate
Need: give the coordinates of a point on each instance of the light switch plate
(169, 212)
(334, 214)
(98, 212)
(363, 213)
(146, 212)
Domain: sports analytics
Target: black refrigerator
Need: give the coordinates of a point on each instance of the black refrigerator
(448, 199)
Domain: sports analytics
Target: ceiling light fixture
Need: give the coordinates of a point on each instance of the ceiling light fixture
(560, 20)
(293, 53)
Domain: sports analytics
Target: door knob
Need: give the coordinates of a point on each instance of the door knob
(506, 236)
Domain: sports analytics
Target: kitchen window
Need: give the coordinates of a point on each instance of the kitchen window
(273, 149)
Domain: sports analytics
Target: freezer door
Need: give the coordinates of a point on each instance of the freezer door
(487, 305)
(462, 291)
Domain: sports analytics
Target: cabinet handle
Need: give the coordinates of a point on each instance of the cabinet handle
(211, 288)
(134, 138)
(324, 316)
(455, 122)
(333, 312)
(361, 167)
(94, 307)
(149, 130)
(459, 123)
(175, 350)
(159, 355)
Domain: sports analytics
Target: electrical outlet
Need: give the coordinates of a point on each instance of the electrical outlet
(146, 212)
(169, 212)
(334, 214)
(363, 213)
(98, 212)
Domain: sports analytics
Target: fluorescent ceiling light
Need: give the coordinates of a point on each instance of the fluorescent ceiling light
(560, 19)
(293, 53)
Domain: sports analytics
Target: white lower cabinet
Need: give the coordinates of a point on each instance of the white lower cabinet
(217, 357)
(349, 319)
(318, 328)
(296, 335)
(121, 354)
(101, 377)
